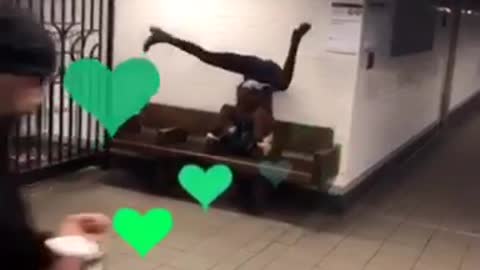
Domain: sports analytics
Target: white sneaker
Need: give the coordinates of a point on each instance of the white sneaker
(266, 144)
(210, 136)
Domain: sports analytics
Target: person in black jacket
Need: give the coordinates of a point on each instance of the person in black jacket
(27, 60)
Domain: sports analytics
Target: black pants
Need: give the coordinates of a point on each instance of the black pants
(251, 67)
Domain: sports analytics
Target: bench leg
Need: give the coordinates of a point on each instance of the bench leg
(106, 162)
(164, 177)
(255, 195)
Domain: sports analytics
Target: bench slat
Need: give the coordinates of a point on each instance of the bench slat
(167, 151)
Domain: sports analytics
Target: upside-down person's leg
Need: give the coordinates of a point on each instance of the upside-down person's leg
(242, 64)
(259, 189)
(224, 122)
(220, 129)
(251, 67)
(289, 66)
(263, 131)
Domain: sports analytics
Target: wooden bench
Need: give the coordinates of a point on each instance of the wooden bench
(169, 132)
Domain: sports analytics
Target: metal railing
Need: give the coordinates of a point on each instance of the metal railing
(61, 131)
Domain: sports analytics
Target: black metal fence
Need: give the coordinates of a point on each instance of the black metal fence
(60, 131)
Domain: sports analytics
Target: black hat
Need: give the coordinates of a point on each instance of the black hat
(26, 48)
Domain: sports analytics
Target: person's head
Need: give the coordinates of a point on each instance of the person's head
(27, 60)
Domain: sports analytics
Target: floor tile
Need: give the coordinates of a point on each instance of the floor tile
(319, 244)
(374, 227)
(287, 265)
(164, 255)
(192, 262)
(165, 267)
(447, 239)
(233, 261)
(365, 238)
(355, 250)
(394, 256)
(411, 235)
(339, 264)
(291, 236)
(442, 257)
(471, 261)
(265, 257)
(129, 263)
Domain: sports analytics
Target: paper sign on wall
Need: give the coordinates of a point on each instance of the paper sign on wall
(345, 27)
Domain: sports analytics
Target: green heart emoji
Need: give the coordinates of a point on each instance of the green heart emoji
(205, 187)
(112, 97)
(275, 172)
(143, 233)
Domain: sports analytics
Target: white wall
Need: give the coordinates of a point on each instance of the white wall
(323, 87)
(466, 81)
(396, 100)
(400, 98)
(372, 116)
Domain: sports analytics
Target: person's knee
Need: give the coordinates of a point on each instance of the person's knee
(262, 115)
(263, 122)
(227, 113)
(263, 130)
(278, 79)
(283, 85)
(282, 82)
(227, 109)
(223, 121)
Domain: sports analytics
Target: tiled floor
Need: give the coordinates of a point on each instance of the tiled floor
(425, 217)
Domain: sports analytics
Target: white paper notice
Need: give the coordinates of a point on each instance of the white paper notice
(345, 28)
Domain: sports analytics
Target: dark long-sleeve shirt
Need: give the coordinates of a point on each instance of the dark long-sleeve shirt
(21, 247)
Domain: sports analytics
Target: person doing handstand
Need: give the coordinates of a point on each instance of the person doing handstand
(246, 128)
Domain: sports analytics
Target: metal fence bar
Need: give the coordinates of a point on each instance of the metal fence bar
(51, 105)
(100, 57)
(82, 54)
(17, 144)
(61, 35)
(29, 119)
(17, 131)
(58, 132)
(70, 100)
(89, 117)
(110, 32)
(39, 118)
